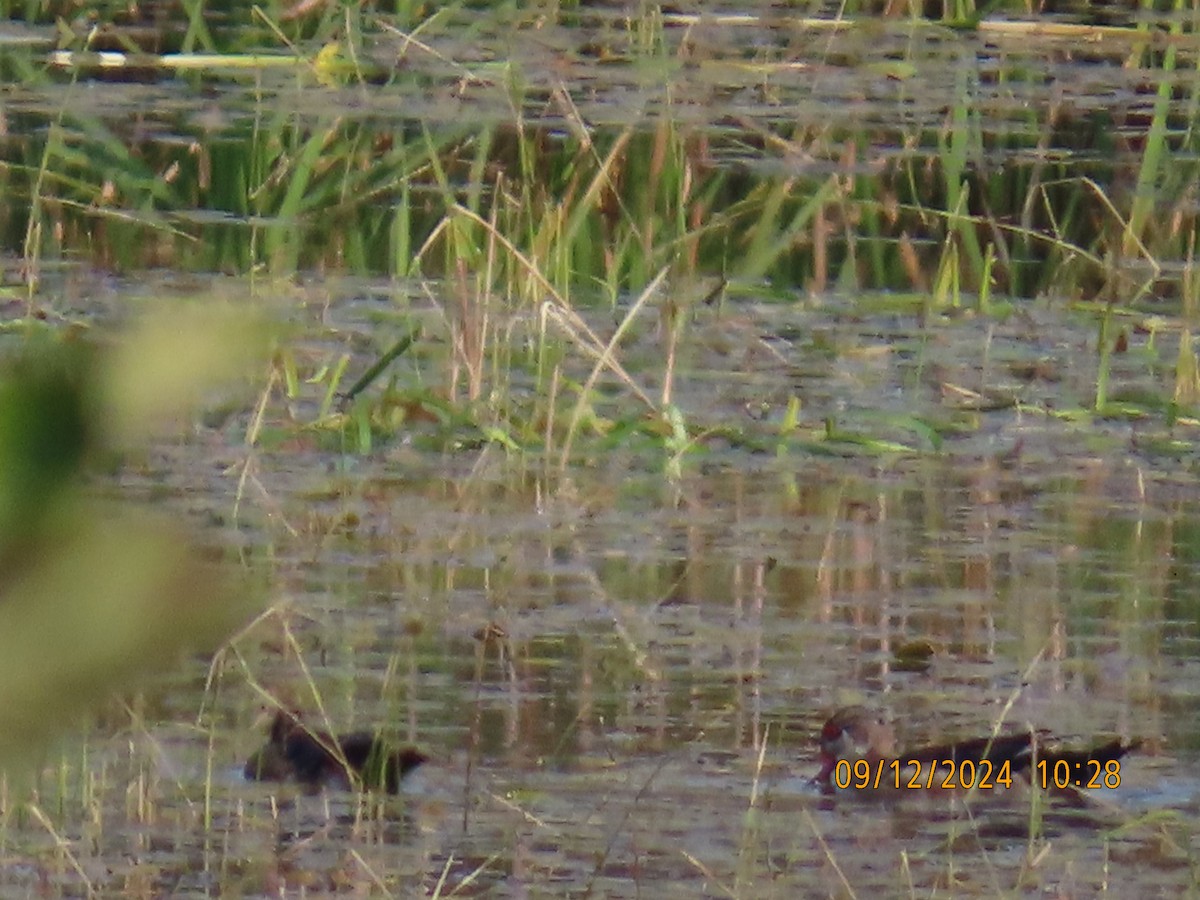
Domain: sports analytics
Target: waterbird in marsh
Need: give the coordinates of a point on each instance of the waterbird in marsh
(316, 759)
(858, 752)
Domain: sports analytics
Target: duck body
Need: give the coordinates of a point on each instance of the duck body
(856, 734)
(317, 759)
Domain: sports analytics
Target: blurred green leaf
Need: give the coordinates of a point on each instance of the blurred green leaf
(113, 595)
(93, 594)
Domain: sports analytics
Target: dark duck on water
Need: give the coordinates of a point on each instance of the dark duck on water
(316, 759)
(858, 750)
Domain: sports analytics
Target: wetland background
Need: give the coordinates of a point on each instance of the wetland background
(595, 395)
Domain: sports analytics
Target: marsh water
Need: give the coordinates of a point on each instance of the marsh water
(621, 674)
(619, 658)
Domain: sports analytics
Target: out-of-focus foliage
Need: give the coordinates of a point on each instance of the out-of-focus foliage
(94, 592)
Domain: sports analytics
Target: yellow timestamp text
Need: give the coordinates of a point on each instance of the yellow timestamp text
(1088, 774)
(918, 774)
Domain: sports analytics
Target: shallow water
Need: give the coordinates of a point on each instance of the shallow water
(620, 663)
(651, 637)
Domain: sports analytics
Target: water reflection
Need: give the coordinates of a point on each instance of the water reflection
(621, 677)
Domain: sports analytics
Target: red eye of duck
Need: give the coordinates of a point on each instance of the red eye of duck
(831, 731)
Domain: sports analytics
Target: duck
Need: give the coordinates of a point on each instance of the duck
(857, 733)
(318, 759)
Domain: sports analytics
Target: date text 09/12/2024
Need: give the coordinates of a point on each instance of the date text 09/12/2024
(949, 774)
